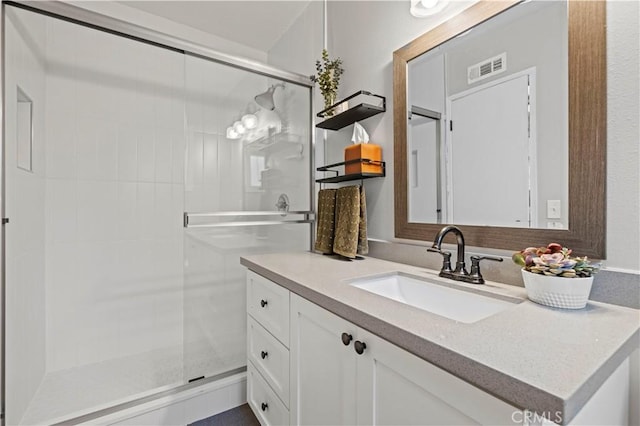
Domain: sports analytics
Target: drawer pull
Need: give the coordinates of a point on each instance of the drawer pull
(346, 339)
(264, 354)
(263, 303)
(359, 347)
(264, 406)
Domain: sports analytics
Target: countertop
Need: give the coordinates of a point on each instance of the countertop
(531, 356)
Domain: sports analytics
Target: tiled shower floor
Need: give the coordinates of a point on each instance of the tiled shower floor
(77, 391)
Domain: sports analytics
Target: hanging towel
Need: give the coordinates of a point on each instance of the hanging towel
(326, 220)
(363, 242)
(350, 229)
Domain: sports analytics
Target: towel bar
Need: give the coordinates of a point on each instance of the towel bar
(309, 217)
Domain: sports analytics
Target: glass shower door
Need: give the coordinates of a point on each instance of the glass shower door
(94, 272)
(247, 190)
(108, 142)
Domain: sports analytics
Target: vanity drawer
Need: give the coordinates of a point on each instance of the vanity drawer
(263, 401)
(270, 358)
(268, 304)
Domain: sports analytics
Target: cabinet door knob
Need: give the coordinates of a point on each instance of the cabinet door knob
(346, 339)
(264, 354)
(263, 303)
(264, 406)
(360, 347)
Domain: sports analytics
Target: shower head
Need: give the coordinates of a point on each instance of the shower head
(265, 99)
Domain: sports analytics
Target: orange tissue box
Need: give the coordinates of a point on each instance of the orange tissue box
(367, 151)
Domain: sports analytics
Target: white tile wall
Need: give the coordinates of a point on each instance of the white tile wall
(146, 156)
(62, 204)
(163, 157)
(127, 153)
(61, 156)
(63, 302)
(126, 211)
(114, 193)
(178, 143)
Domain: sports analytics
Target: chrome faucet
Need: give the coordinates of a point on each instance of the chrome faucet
(460, 272)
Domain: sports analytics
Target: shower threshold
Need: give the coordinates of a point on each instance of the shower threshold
(80, 394)
(131, 409)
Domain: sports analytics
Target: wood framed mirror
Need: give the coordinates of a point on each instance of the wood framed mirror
(587, 125)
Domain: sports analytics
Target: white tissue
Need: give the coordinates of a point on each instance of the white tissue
(360, 135)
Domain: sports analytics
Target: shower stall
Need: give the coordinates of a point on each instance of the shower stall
(137, 168)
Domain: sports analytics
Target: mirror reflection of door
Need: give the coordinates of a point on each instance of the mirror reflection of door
(426, 102)
(492, 150)
(425, 182)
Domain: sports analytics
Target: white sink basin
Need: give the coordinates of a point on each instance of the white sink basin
(432, 296)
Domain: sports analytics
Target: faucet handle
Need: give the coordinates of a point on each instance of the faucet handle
(475, 275)
(446, 258)
(437, 250)
(477, 259)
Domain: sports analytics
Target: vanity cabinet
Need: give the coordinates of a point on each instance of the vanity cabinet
(306, 365)
(343, 374)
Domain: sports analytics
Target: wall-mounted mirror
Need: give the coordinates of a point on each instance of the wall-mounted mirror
(499, 126)
(506, 165)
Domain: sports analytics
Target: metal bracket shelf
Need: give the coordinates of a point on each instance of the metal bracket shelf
(353, 176)
(351, 115)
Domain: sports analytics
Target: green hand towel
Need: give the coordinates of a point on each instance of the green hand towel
(348, 214)
(326, 220)
(363, 242)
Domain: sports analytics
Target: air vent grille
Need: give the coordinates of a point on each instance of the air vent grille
(487, 68)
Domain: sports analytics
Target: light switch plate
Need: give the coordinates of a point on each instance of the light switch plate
(553, 209)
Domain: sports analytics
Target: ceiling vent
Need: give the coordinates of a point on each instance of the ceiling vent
(487, 68)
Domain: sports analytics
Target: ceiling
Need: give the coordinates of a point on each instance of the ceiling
(257, 24)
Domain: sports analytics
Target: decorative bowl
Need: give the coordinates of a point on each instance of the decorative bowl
(558, 292)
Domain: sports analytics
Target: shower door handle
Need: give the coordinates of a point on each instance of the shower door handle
(308, 216)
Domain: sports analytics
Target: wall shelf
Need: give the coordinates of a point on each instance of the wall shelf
(356, 113)
(275, 142)
(353, 176)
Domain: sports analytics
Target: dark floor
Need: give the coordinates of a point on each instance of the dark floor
(239, 416)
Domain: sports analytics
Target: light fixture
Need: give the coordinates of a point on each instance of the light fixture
(249, 118)
(423, 8)
(232, 134)
(265, 99)
(249, 121)
(238, 127)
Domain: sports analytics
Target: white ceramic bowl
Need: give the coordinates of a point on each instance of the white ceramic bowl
(558, 292)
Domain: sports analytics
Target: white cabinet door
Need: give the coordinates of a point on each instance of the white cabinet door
(323, 369)
(396, 387)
